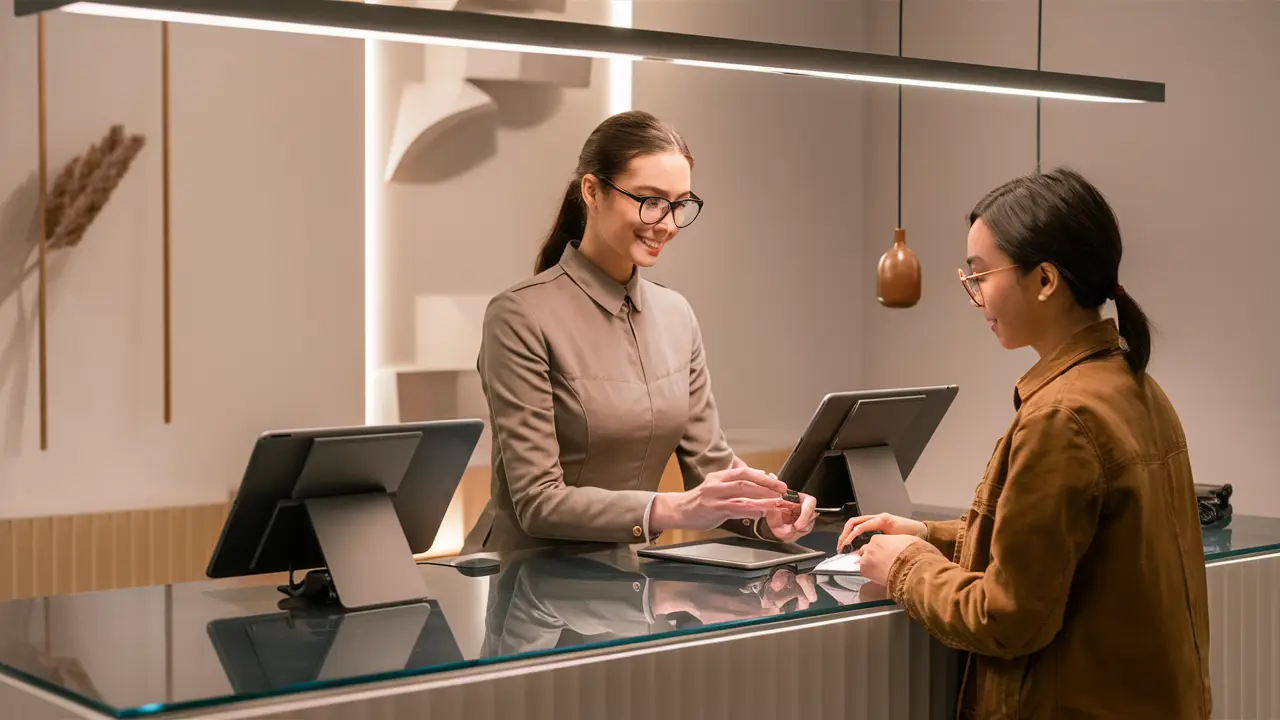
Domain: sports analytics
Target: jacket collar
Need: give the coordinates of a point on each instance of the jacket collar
(1100, 338)
(604, 290)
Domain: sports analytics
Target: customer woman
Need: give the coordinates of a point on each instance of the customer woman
(594, 376)
(1076, 581)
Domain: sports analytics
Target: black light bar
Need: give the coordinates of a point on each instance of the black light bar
(401, 23)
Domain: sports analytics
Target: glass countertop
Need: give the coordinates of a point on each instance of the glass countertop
(145, 651)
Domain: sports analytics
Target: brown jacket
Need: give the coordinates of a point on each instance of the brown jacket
(592, 386)
(1077, 578)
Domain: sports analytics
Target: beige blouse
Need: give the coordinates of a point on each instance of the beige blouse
(591, 386)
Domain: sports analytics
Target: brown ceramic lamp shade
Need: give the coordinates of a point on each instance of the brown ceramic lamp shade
(898, 276)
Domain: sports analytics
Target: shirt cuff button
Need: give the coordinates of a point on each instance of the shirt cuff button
(637, 531)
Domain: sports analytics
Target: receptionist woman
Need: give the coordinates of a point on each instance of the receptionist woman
(1076, 581)
(594, 375)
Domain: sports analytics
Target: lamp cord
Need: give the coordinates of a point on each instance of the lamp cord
(1039, 44)
(900, 4)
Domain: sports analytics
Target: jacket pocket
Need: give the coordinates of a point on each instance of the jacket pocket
(1004, 684)
(986, 497)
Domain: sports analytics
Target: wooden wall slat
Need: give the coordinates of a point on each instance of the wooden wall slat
(102, 571)
(102, 551)
(122, 572)
(161, 546)
(82, 555)
(42, 550)
(140, 547)
(24, 576)
(63, 564)
(7, 559)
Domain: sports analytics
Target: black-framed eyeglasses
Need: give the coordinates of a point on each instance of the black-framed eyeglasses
(654, 208)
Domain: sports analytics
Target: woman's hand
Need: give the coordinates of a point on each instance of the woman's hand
(877, 556)
(788, 521)
(739, 492)
(870, 592)
(783, 587)
(884, 522)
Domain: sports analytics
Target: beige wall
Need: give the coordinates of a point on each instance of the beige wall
(773, 264)
(267, 192)
(1191, 179)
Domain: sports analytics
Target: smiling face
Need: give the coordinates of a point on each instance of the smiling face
(1011, 299)
(618, 238)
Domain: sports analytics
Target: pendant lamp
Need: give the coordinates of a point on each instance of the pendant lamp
(898, 274)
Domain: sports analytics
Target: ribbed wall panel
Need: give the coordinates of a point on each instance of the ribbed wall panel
(1244, 646)
(78, 553)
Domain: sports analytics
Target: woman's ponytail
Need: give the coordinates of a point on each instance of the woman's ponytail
(569, 224)
(1136, 331)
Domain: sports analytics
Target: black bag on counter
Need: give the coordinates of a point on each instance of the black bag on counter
(1215, 504)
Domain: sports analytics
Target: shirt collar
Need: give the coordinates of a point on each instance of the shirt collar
(606, 291)
(1095, 339)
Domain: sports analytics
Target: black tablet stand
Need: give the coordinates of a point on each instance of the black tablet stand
(860, 468)
(342, 515)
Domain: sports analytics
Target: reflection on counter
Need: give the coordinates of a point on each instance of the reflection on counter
(269, 653)
(545, 601)
(539, 601)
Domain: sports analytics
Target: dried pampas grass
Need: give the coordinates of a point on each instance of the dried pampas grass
(84, 185)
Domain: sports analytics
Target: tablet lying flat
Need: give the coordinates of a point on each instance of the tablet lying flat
(737, 553)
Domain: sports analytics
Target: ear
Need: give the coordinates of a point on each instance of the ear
(590, 191)
(1050, 280)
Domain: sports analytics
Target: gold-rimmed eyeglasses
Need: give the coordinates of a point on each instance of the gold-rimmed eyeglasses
(973, 287)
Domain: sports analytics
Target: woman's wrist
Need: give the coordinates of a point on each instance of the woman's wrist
(667, 511)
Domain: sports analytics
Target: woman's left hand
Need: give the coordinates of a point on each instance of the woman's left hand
(790, 521)
(877, 556)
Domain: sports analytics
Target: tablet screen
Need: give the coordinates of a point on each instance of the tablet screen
(727, 553)
(732, 552)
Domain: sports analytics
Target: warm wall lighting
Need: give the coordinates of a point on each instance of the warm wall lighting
(373, 412)
(620, 68)
(402, 23)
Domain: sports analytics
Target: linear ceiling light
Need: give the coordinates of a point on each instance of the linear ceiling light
(402, 23)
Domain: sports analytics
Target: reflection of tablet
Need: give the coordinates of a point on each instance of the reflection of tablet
(738, 553)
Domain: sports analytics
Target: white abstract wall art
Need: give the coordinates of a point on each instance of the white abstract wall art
(447, 95)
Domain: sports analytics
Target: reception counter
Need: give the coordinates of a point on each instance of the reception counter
(583, 632)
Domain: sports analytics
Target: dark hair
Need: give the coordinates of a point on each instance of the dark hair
(1060, 218)
(606, 154)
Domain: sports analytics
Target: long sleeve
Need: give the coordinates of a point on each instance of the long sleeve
(515, 371)
(943, 534)
(1045, 519)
